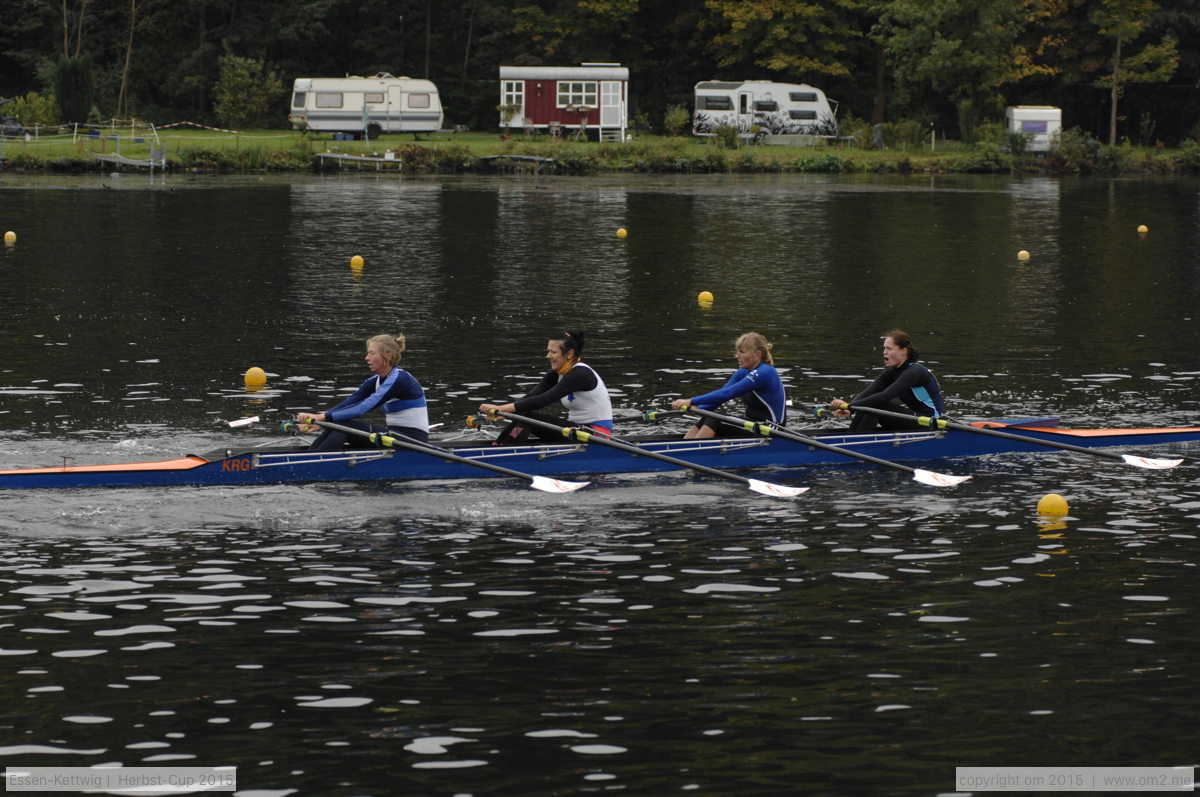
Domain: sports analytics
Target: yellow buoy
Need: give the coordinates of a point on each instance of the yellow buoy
(356, 261)
(705, 297)
(1022, 255)
(1142, 228)
(255, 376)
(10, 237)
(622, 232)
(1052, 504)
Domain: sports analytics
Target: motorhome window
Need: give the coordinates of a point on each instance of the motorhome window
(329, 99)
(576, 92)
(298, 99)
(766, 105)
(802, 114)
(714, 104)
(802, 96)
(514, 93)
(418, 100)
(373, 96)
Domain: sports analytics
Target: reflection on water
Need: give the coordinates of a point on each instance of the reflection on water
(650, 634)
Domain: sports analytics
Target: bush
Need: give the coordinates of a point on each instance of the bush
(34, 109)
(908, 133)
(677, 121)
(1075, 151)
(727, 137)
(1188, 157)
(987, 157)
(247, 93)
(74, 86)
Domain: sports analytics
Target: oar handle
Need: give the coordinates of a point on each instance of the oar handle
(654, 416)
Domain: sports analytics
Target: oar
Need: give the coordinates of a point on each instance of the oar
(584, 436)
(942, 423)
(932, 478)
(543, 483)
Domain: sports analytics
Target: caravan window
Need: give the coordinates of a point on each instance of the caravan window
(372, 96)
(714, 104)
(802, 96)
(418, 100)
(766, 105)
(576, 92)
(802, 114)
(329, 99)
(298, 99)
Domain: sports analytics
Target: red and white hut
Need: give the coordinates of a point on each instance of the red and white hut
(591, 100)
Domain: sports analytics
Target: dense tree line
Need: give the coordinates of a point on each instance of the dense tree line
(1123, 68)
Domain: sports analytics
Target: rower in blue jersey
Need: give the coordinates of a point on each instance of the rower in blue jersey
(391, 389)
(755, 381)
(904, 385)
(571, 382)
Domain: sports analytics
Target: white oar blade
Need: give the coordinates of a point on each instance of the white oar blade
(243, 422)
(1147, 462)
(547, 485)
(934, 479)
(775, 490)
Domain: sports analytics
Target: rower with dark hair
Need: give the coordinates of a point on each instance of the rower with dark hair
(569, 381)
(904, 385)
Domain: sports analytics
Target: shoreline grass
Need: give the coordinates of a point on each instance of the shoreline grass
(205, 151)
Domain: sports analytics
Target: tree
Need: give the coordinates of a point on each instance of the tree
(74, 87)
(786, 38)
(248, 92)
(965, 50)
(1122, 22)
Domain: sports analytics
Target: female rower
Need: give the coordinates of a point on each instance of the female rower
(904, 385)
(391, 389)
(569, 381)
(757, 383)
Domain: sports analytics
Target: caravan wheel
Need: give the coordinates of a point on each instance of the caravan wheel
(373, 131)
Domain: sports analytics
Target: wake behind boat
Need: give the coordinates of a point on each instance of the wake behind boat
(293, 464)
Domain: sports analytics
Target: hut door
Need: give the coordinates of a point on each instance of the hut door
(610, 103)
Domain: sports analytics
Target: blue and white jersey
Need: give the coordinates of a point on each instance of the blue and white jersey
(760, 389)
(398, 394)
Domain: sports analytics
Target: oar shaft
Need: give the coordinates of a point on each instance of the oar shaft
(943, 423)
(390, 441)
(763, 429)
(585, 436)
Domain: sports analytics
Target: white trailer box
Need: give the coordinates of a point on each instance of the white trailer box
(1040, 124)
(365, 106)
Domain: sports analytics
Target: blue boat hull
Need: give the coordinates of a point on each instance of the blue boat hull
(291, 465)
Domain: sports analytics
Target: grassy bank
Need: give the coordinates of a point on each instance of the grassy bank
(280, 151)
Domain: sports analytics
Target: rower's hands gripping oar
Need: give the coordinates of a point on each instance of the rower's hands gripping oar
(585, 436)
(929, 477)
(943, 423)
(543, 483)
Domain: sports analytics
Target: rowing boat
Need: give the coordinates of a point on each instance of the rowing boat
(278, 464)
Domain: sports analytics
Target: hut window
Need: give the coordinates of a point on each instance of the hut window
(576, 92)
(514, 93)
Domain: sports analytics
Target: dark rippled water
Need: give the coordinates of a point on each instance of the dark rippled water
(649, 634)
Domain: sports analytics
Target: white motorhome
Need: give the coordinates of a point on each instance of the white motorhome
(763, 107)
(365, 105)
(1040, 124)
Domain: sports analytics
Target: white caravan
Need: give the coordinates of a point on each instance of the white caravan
(365, 105)
(1040, 124)
(758, 108)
